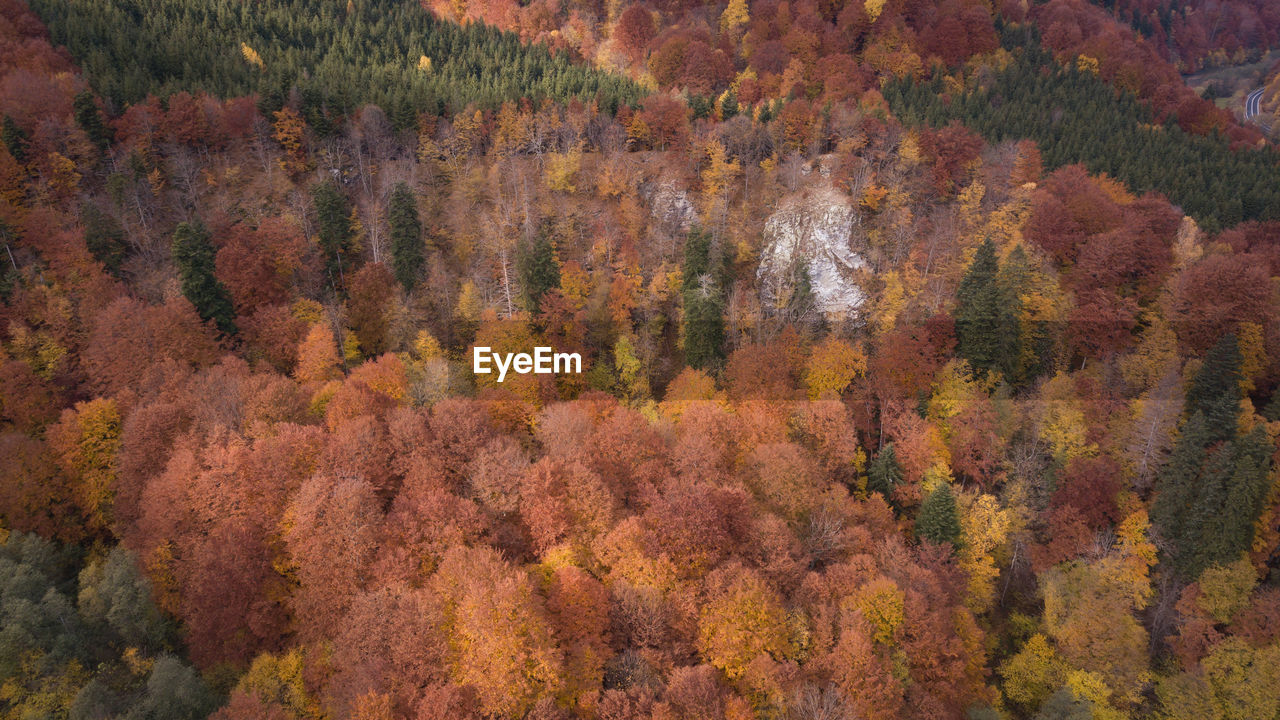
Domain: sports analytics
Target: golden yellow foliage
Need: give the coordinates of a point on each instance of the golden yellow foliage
(873, 8)
(1091, 686)
(1033, 674)
(883, 605)
(833, 364)
(909, 148)
(743, 621)
(986, 528)
(470, 306)
(1225, 589)
(562, 170)
(426, 347)
(86, 441)
(893, 298)
(278, 680)
(1154, 357)
(718, 173)
(735, 16)
(1062, 421)
(251, 56)
(1253, 354)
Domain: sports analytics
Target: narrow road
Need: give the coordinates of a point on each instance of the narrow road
(1253, 107)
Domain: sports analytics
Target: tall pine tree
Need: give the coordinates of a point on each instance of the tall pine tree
(1024, 344)
(15, 138)
(703, 304)
(884, 473)
(194, 256)
(939, 520)
(537, 267)
(333, 225)
(1215, 390)
(103, 236)
(979, 333)
(407, 251)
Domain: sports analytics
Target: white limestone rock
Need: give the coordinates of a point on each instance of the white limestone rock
(814, 228)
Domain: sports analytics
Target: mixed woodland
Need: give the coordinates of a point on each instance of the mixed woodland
(247, 472)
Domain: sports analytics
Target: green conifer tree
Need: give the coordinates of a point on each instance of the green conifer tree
(333, 226)
(703, 326)
(89, 118)
(1023, 346)
(1215, 390)
(103, 236)
(939, 520)
(407, 250)
(537, 267)
(979, 333)
(729, 104)
(194, 256)
(703, 303)
(884, 473)
(15, 138)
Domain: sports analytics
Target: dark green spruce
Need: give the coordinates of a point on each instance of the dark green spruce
(193, 253)
(703, 304)
(981, 339)
(537, 267)
(407, 249)
(333, 228)
(939, 520)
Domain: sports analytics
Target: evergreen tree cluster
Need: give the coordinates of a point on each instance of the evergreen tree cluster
(703, 303)
(1076, 117)
(194, 254)
(337, 56)
(1215, 484)
(991, 332)
(537, 267)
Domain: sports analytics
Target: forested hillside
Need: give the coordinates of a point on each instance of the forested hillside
(881, 415)
(337, 57)
(1203, 33)
(1075, 117)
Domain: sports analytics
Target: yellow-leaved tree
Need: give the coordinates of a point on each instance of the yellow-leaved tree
(743, 620)
(986, 528)
(1033, 674)
(85, 442)
(735, 16)
(832, 366)
(873, 8)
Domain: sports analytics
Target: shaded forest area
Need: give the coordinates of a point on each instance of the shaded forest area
(1203, 33)
(1022, 466)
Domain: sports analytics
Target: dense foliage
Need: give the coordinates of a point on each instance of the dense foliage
(1202, 33)
(875, 420)
(387, 52)
(1075, 117)
(81, 636)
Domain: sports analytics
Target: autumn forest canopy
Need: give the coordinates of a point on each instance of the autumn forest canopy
(930, 355)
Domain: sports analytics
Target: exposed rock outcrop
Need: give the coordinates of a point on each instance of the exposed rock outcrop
(814, 230)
